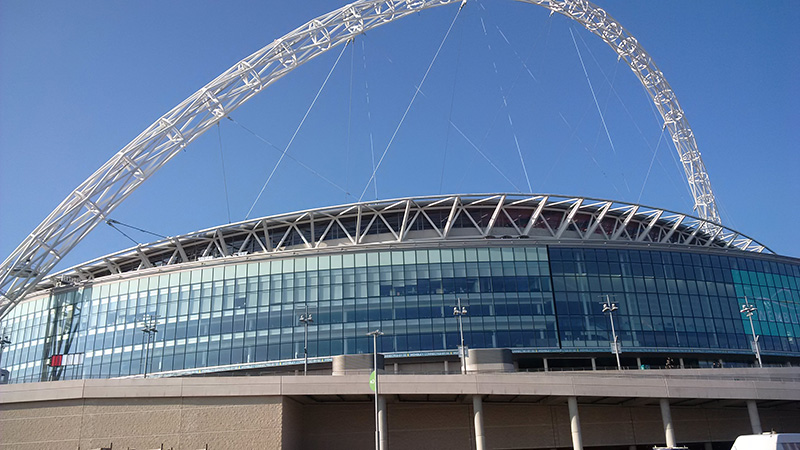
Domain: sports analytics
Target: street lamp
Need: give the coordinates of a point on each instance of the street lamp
(305, 319)
(749, 310)
(150, 330)
(461, 311)
(375, 335)
(609, 308)
(5, 340)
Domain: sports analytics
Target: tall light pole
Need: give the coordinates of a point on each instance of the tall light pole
(150, 330)
(749, 310)
(5, 340)
(375, 335)
(461, 311)
(609, 308)
(305, 319)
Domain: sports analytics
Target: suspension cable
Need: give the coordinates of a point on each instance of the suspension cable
(655, 152)
(224, 177)
(111, 224)
(505, 106)
(369, 114)
(485, 157)
(450, 111)
(300, 163)
(302, 121)
(599, 111)
(408, 108)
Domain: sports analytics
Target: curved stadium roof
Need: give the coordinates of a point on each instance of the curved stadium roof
(537, 218)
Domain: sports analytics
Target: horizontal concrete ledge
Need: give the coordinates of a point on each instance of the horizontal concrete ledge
(714, 384)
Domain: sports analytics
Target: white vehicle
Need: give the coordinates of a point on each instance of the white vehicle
(767, 441)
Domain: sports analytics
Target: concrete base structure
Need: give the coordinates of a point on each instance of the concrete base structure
(434, 411)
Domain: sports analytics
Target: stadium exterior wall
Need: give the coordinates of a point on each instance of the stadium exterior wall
(537, 291)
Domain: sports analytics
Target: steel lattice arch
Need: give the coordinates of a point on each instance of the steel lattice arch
(92, 202)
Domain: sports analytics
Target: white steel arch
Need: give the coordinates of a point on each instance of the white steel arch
(91, 202)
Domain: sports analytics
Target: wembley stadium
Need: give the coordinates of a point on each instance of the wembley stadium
(501, 320)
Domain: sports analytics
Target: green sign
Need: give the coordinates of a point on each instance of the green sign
(372, 380)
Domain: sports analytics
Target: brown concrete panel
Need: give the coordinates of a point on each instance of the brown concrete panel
(335, 427)
(132, 442)
(648, 429)
(51, 429)
(292, 424)
(783, 421)
(110, 425)
(519, 426)
(49, 445)
(130, 405)
(429, 439)
(203, 415)
(606, 425)
(260, 439)
(725, 424)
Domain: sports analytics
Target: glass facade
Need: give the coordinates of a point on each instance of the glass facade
(527, 298)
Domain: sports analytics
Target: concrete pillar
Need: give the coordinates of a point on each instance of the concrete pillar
(446, 366)
(638, 363)
(477, 411)
(594, 363)
(680, 361)
(396, 368)
(666, 417)
(382, 426)
(544, 360)
(575, 423)
(755, 420)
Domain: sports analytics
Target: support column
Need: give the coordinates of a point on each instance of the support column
(575, 423)
(594, 363)
(446, 367)
(382, 427)
(638, 363)
(544, 360)
(755, 420)
(680, 360)
(477, 411)
(666, 417)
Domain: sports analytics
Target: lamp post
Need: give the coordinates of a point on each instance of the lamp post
(305, 319)
(461, 311)
(5, 340)
(749, 310)
(609, 308)
(375, 335)
(150, 330)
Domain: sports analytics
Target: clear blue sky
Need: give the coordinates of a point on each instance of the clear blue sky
(79, 80)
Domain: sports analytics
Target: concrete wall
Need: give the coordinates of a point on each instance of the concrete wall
(336, 412)
(275, 423)
(144, 423)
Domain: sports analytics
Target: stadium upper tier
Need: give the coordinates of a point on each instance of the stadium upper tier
(539, 218)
